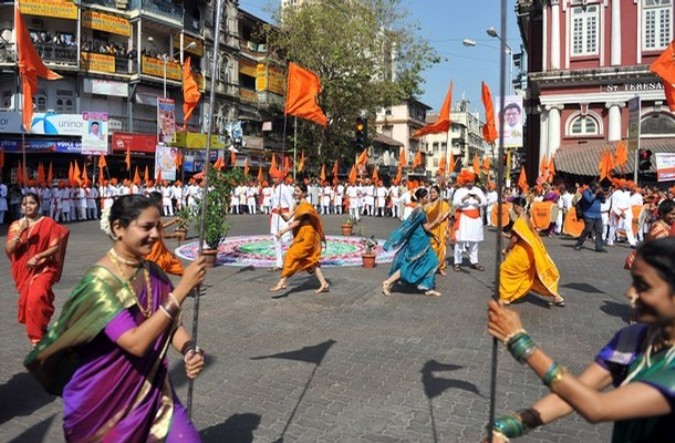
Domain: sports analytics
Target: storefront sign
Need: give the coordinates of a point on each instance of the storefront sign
(633, 87)
(634, 111)
(195, 140)
(145, 143)
(166, 120)
(165, 160)
(106, 22)
(93, 61)
(248, 68)
(50, 8)
(95, 133)
(198, 48)
(248, 96)
(155, 67)
(57, 124)
(270, 78)
(106, 87)
(665, 166)
(43, 145)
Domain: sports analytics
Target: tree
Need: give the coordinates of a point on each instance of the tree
(366, 57)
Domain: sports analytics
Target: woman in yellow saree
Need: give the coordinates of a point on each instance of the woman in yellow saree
(527, 267)
(436, 207)
(304, 253)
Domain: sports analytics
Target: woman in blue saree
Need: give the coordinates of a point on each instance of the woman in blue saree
(415, 262)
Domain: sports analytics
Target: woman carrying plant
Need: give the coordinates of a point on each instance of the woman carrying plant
(639, 361)
(36, 246)
(415, 262)
(527, 266)
(436, 207)
(106, 355)
(304, 253)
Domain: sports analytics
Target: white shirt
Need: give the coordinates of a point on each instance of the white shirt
(637, 200)
(470, 229)
(620, 203)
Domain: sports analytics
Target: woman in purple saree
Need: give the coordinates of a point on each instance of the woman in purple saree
(106, 354)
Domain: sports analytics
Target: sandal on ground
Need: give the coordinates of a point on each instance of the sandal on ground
(277, 288)
(432, 293)
(322, 289)
(457, 268)
(560, 302)
(386, 288)
(478, 267)
(442, 272)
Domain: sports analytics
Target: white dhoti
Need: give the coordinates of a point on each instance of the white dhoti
(277, 223)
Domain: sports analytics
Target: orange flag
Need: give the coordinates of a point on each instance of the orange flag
(441, 165)
(664, 66)
(362, 159)
(76, 174)
(543, 166)
(621, 154)
(376, 176)
(179, 159)
(41, 175)
(551, 170)
(191, 94)
(219, 164)
(50, 174)
(322, 177)
(451, 161)
(403, 157)
(417, 162)
(127, 159)
(476, 164)
(30, 68)
(486, 164)
(101, 161)
(522, 180)
(303, 88)
(260, 175)
(233, 159)
(274, 169)
(100, 175)
(335, 170)
(443, 123)
(670, 95)
(85, 177)
(159, 177)
(352, 175)
(489, 129)
(246, 166)
(399, 175)
(301, 163)
(287, 165)
(137, 177)
(146, 176)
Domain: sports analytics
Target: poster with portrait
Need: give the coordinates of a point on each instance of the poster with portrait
(513, 120)
(166, 120)
(94, 133)
(165, 160)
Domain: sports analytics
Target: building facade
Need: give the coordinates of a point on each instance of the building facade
(399, 123)
(585, 60)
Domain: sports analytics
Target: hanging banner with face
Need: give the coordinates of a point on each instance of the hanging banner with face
(165, 159)
(166, 120)
(95, 133)
(513, 120)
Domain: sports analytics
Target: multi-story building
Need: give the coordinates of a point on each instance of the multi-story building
(118, 57)
(464, 136)
(586, 59)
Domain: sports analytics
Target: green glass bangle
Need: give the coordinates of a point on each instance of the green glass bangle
(521, 347)
(509, 425)
(554, 372)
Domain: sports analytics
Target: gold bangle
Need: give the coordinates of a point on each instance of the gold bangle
(557, 378)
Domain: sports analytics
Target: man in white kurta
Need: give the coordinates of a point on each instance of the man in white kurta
(620, 215)
(353, 195)
(46, 200)
(338, 197)
(326, 198)
(282, 202)
(167, 198)
(468, 201)
(380, 199)
(91, 196)
(393, 195)
(252, 198)
(492, 198)
(369, 198)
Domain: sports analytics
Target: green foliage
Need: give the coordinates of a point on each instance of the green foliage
(183, 215)
(366, 57)
(217, 200)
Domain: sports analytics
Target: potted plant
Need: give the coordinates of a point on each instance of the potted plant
(182, 223)
(369, 255)
(217, 201)
(348, 226)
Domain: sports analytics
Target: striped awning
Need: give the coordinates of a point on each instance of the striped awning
(583, 158)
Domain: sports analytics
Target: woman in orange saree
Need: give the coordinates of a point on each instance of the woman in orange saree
(304, 253)
(436, 207)
(527, 266)
(35, 246)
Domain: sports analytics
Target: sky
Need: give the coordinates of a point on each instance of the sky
(445, 24)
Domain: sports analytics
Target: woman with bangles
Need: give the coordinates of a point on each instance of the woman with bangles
(415, 261)
(436, 207)
(106, 354)
(304, 253)
(527, 266)
(36, 246)
(639, 361)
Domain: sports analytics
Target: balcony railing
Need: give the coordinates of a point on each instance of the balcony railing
(57, 53)
(8, 53)
(113, 4)
(159, 7)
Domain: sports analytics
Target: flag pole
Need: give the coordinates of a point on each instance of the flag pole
(295, 145)
(500, 192)
(202, 222)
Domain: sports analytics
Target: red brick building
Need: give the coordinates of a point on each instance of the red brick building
(585, 60)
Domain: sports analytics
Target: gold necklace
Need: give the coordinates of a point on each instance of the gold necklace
(126, 261)
(147, 311)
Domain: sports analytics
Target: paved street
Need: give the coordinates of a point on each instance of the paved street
(350, 365)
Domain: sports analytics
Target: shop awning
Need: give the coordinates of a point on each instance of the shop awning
(386, 140)
(583, 158)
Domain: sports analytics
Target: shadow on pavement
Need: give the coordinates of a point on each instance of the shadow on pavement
(236, 429)
(36, 433)
(177, 373)
(26, 394)
(308, 284)
(308, 354)
(615, 309)
(583, 287)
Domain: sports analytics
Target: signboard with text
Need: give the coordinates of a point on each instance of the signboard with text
(95, 133)
(166, 120)
(155, 67)
(106, 23)
(633, 141)
(665, 166)
(49, 8)
(139, 143)
(106, 87)
(93, 61)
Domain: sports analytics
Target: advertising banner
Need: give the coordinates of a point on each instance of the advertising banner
(49, 8)
(95, 133)
(196, 140)
(165, 159)
(93, 61)
(106, 87)
(44, 145)
(57, 124)
(155, 67)
(139, 143)
(513, 120)
(197, 50)
(633, 141)
(248, 68)
(665, 166)
(106, 22)
(166, 120)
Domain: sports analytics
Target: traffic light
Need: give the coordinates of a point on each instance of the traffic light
(360, 132)
(644, 159)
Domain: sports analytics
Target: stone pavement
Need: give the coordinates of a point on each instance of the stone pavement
(350, 365)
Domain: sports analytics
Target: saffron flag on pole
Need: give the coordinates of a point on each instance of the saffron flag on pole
(451, 161)
(442, 124)
(376, 176)
(50, 174)
(127, 158)
(362, 159)
(664, 66)
(441, 166)
(30, 68)
(301, 163)
(301, 93)
(522, 180)
(146, 176)
(260, 176)
(403, 157)
(490, 128)
(551, 170)
(399, 175)
(621, 154)
(246, 166)
(417, 161)
(76, 174)
(137, 177)
(335, 169)
(85, 177)
(322, 177)
(191, 94)
(274, 168)
(101, 161)
(476, 164)
(352, 175)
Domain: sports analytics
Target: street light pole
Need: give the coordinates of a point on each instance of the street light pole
(472, 43)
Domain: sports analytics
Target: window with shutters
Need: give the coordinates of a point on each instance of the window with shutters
(585, 30)
(657, 24)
